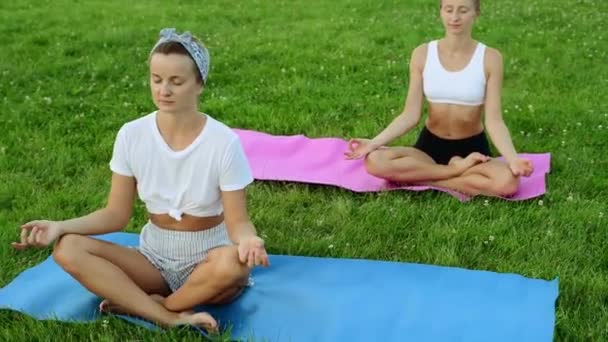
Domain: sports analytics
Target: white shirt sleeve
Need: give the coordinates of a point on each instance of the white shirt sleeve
(120, 162)
(235, 173)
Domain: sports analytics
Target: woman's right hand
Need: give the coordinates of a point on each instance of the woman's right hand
(359, 148)
(38, 234)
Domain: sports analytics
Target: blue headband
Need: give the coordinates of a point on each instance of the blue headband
(197, 51)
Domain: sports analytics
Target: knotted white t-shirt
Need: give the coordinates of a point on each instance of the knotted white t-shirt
(187, 181)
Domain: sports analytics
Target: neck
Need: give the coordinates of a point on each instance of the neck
(457, 43)
(180, 122)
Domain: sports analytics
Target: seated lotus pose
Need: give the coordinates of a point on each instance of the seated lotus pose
(190, 170)
(461, 80)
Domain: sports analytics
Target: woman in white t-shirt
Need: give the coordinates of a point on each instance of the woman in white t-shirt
(190, 171)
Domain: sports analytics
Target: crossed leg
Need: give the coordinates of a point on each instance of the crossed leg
(219, 279)
(125, 277)
(491, 178)
(410, 165)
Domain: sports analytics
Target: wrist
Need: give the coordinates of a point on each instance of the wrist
(61, 228)
(375, 144)
(244, 236)
(510, 159)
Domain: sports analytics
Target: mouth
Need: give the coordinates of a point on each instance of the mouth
(165, 102)
(454, 26)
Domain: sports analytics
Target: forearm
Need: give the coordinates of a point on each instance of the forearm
(501, 138)
(241, 231)
(398, 127)
(101, 221)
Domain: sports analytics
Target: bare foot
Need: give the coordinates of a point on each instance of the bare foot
(106, 306)
(197, 319)
(472, 159)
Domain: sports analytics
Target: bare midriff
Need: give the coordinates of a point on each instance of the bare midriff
(452, 121)
(188, 222)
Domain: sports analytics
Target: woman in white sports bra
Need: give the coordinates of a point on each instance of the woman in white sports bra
(461, 79)
(191, 172)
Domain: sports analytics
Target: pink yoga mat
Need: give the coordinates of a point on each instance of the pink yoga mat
(298, 158)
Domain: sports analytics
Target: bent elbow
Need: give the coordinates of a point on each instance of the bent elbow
(117, 219)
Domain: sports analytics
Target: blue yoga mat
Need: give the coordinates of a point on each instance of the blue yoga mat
(325, 299)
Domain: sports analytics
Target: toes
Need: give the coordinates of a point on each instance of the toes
(206, 321)
(103, 306)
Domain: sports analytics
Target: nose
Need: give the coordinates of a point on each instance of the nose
(165, 89)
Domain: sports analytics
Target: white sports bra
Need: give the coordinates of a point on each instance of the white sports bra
(463, 87)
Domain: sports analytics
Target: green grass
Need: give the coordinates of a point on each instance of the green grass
(74, 71)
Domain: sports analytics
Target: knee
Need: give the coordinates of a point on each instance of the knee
(67, 250)
(226, 270)
(506, 185)
(375, 164)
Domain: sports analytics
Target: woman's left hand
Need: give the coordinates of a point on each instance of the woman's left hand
(521, 167)
(252, 252)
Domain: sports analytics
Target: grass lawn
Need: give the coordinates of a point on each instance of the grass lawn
(72, 72)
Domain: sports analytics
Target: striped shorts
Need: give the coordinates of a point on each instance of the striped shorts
(176, 253)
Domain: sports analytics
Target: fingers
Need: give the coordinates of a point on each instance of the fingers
(522, 168)
(31, 240)
(28, 225)
(257, 256)
(251, 258)
(260, 257)
(477, 158)
(352, 155)
(253, 253)
(22, 244)
(264, 258)
(529, 168)
(25, 240)
(514, 170)
(242, 255)
(39, 237)
(19, 245)
(24, 235)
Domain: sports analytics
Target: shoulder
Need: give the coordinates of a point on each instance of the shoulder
(137, 126)
(493, 59)
(222, 134)
(419, 53)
